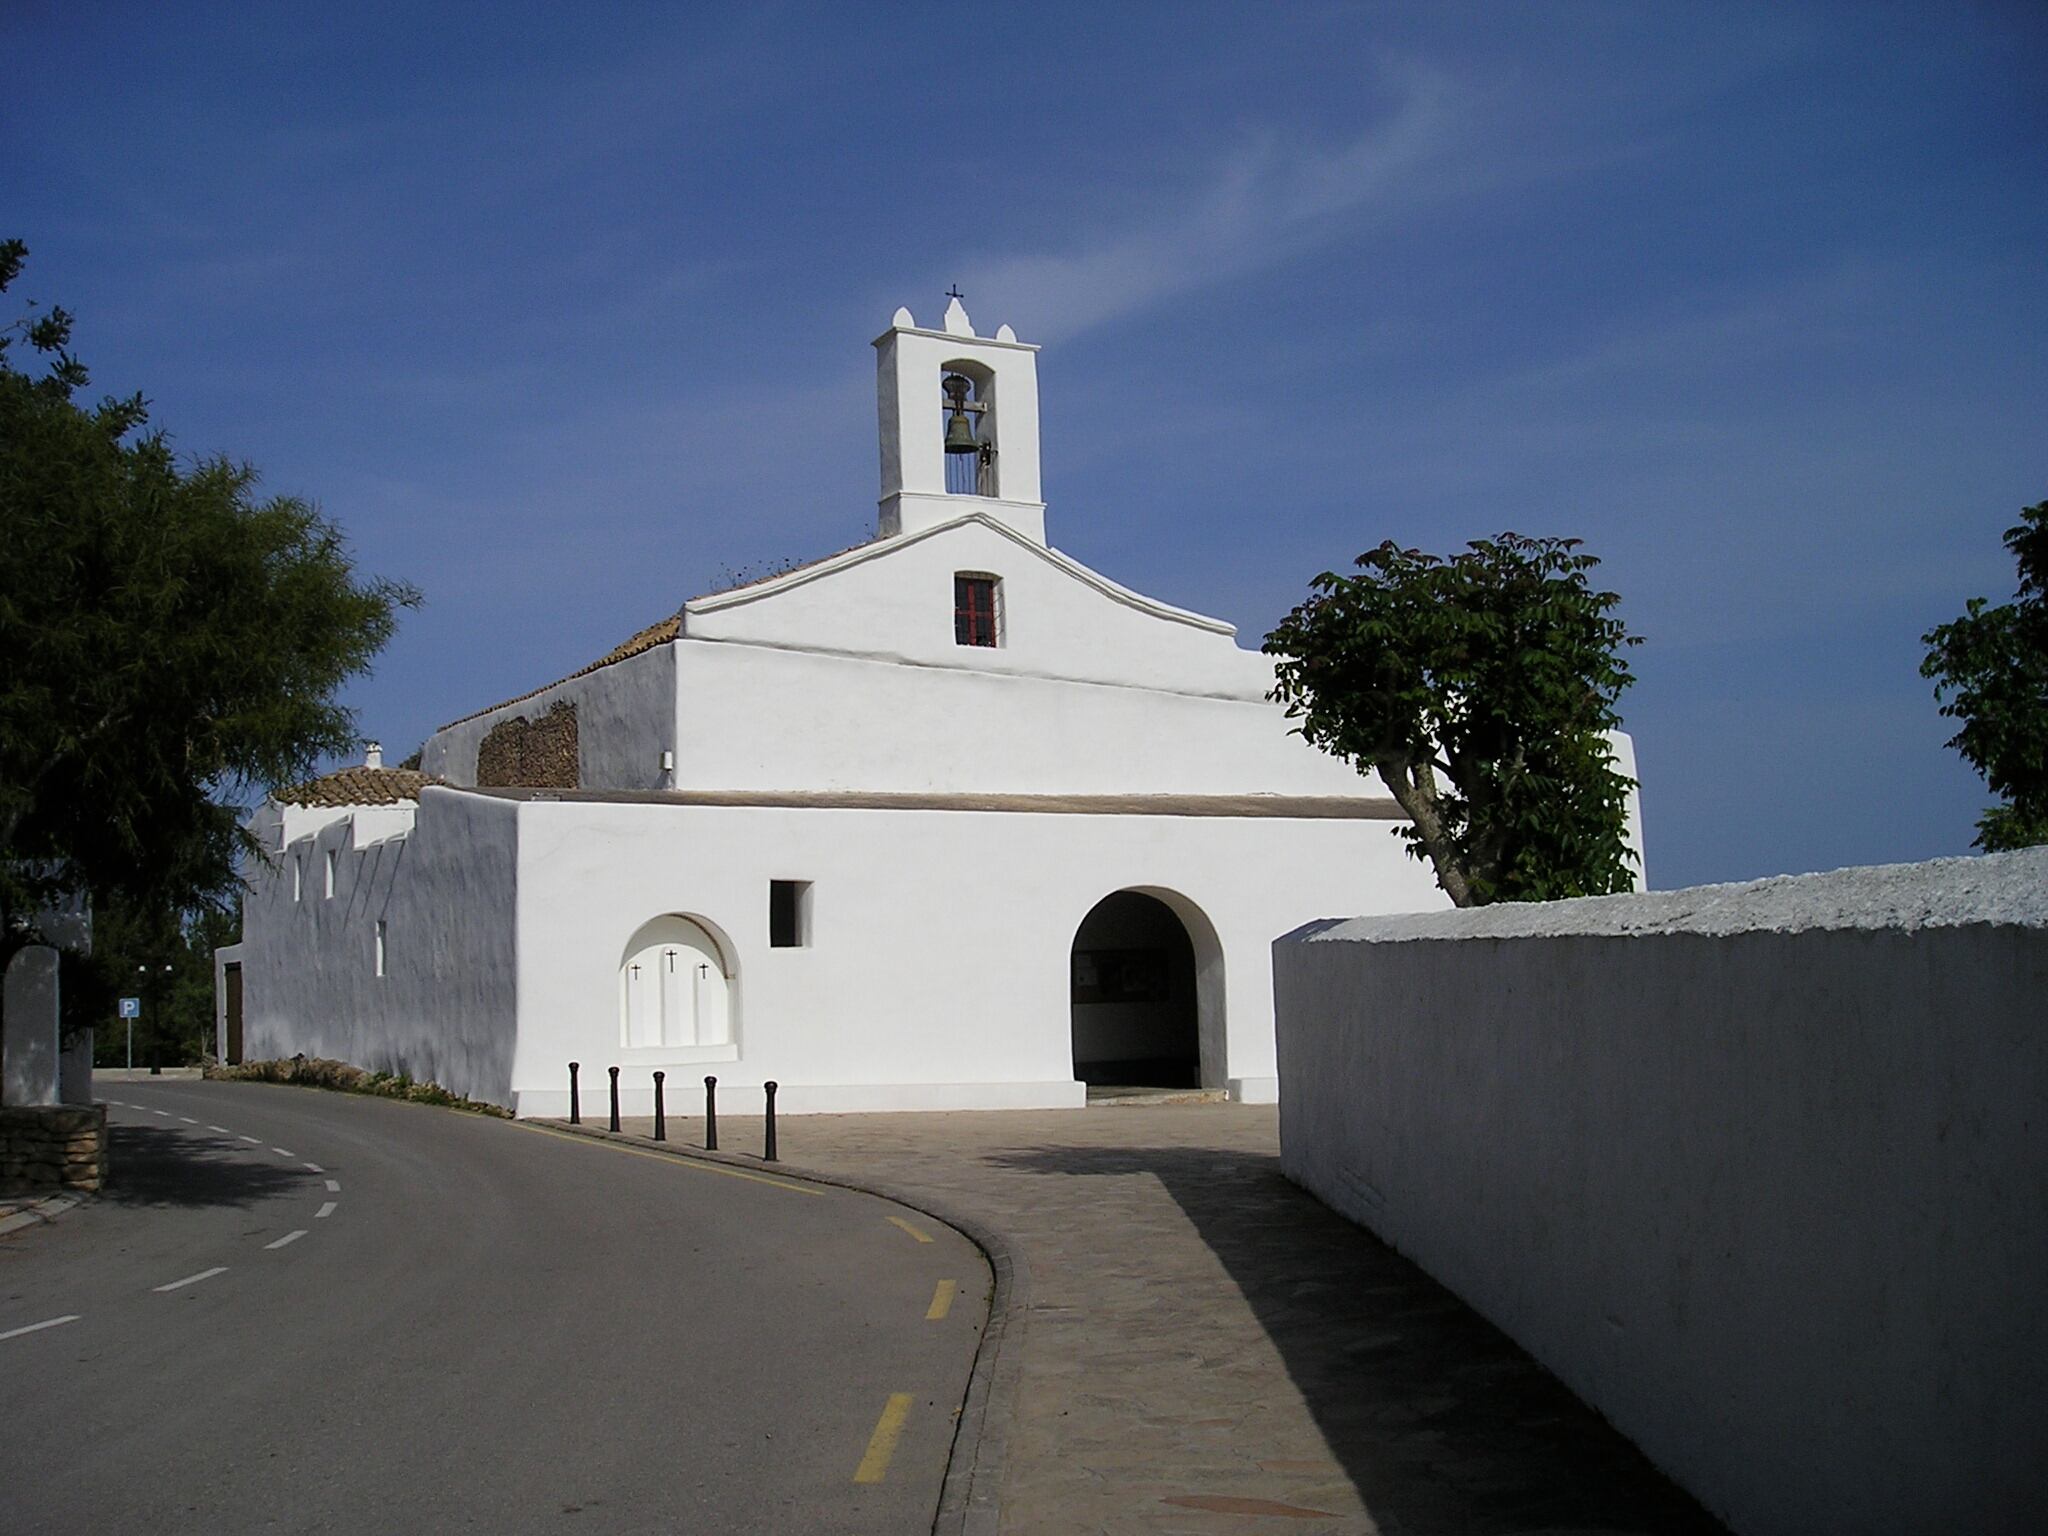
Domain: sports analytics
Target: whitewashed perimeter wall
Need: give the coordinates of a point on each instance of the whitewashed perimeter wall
(625, 720)
(1759, 1171)
(444, 884)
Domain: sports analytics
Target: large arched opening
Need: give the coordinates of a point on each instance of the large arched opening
(675, 986)
(1146, 994)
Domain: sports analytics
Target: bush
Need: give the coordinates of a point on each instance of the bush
(314, 1072)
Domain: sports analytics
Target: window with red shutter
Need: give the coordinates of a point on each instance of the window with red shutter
(974, 611)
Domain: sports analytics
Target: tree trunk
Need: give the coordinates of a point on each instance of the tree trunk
(1414, 788)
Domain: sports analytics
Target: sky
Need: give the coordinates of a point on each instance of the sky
(563, 314)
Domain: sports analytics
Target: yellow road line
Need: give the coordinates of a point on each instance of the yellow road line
(922, 1237)
(942, 1301)
(679, 1162)
(882, 1443)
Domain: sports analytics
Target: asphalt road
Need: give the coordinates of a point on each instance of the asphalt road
(301, 1311)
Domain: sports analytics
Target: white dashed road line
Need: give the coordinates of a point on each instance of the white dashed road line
(204, 1274)
(53, 1322)
(327, 1209)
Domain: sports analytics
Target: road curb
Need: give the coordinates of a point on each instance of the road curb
(49, 1208)
(970, 1501)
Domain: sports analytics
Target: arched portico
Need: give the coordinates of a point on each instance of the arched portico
(1146, 993)
(675, 985)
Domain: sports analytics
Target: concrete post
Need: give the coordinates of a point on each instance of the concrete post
(28, 1033)
(74, 1069)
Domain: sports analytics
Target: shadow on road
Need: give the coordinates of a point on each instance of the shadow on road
(148, 1166)
(1439, 1419)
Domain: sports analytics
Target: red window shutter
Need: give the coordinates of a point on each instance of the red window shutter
(974, 610)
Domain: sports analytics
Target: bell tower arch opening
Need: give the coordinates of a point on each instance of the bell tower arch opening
(1146, 993)
(968, 392)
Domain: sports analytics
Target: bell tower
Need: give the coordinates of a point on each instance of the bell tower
(959, 422)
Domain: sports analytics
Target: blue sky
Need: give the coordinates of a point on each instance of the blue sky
(564, 314)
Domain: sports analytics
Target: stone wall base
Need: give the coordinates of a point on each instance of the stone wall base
(61, 1146)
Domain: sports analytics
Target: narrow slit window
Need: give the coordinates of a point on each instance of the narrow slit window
(380, 946)
(333, 859)
(789, 914)
(977, 619)
(298, 878)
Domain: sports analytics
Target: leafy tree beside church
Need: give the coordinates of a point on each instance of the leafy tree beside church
(169, 641)
(1481, 689)
(1990, 670)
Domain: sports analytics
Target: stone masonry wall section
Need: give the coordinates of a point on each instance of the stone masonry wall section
(1758, 1170)
(541, 753)
(52, 1147)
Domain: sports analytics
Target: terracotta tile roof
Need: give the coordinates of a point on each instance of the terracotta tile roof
(358, 786)
(646, 640)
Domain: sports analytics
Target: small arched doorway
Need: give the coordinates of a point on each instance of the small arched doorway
(675, 987)
(1136, 997)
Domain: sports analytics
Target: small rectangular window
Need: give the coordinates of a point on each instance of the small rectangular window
(380, 946)
(976, 620)
(333, 859)
(298, 878)
(789, 914)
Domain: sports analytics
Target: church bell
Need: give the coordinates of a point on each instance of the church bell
(959, 426)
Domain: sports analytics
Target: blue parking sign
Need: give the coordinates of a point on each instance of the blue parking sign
(131, 1008)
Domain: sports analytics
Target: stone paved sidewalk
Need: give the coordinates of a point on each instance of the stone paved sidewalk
(1208, 1349)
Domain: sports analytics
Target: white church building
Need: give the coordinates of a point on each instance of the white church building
(945, 821)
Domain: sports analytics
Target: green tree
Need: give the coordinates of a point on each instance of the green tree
(164, 959)
(1990, 671)
(169, 643)
(1481, 689)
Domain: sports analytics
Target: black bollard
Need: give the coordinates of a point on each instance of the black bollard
(575, 1099)
(615, 1098)
(660, 1114)
(768, 1141)
(710, 1114)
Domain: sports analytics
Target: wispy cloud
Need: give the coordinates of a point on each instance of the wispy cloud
(1271, 198)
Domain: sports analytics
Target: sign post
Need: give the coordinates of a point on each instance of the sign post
(131, 1010)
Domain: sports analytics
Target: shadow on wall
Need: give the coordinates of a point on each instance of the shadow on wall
(1440, 1422)
(146, 1166)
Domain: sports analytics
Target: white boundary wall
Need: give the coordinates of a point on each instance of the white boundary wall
(1760, 1171)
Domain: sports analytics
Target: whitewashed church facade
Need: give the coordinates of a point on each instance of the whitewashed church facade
(945, 821)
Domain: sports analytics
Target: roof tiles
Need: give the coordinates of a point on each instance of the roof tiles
(358, 786)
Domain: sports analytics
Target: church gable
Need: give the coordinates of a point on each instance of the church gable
(975, 594)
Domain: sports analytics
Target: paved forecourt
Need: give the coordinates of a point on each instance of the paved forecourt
(1202, 1347)
(303, 1311)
